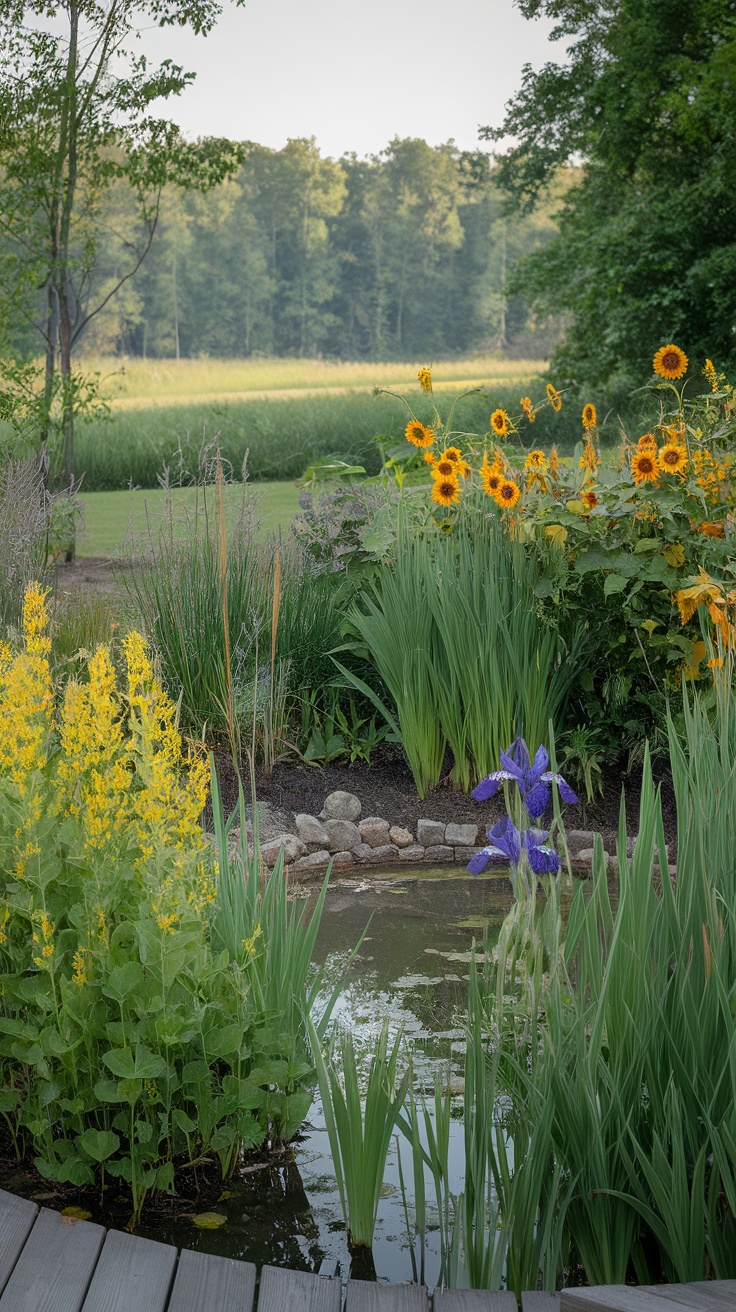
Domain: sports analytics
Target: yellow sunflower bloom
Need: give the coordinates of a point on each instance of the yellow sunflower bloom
(670, 362)
(644, 467)
(418, 434)
(672, 459)
(508, 494)
(444, 468)
(428, 458)
(445, 491)
(554, 397)
(590, 418)
(536, 460)
(452, 453)
(425, 379)
(491, 479)
(500, 422)
(647, 443)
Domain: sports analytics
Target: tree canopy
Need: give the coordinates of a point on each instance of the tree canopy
(646, 251)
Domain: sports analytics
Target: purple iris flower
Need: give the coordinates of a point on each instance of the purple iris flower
(507, 844)
(533, 779)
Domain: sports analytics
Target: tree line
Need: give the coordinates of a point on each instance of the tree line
(404, 254)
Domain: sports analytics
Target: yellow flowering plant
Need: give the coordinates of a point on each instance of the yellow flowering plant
(614, 532)
(128, 1042)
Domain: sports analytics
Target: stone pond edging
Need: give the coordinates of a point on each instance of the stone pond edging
(339, 835)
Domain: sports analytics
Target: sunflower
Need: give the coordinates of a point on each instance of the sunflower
(590, 500)
(429, 459)
(418, 434)
(644, 467)
(672, 458)
(500, 422)
(553, 396)
(491, 478)
(508, 494)
(444, 468)
(425, 379)
(452, 453)
(670, 362)
(590, 418)
(528, 408)
(536, 460)
(647, 443)
(445, 491)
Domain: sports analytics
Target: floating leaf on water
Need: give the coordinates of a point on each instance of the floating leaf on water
(471, 922)
(209, 1220)
(76, 1213)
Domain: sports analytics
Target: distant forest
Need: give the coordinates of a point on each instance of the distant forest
(401, 255)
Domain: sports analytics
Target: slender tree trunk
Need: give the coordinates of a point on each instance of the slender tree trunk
(176, 308)
(501, 343)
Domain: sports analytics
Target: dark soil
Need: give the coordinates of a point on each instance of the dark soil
(386, 788)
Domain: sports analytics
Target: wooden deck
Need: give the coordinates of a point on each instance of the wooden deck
(50, 1263)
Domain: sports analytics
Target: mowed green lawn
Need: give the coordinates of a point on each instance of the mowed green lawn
(116, 523)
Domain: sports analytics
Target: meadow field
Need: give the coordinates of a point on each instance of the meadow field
(166, 416)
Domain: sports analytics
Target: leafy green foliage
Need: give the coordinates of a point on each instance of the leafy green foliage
(645, 99)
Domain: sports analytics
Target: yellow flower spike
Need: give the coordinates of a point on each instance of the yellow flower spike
(710, 374)
(528, 408)
(589, 459)
(36, 621)
(425, 379)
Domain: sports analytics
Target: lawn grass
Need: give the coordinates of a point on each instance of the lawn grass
(115, 521)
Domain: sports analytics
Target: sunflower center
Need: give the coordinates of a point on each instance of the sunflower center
(671, 360)
(507, 492)
(671, 458)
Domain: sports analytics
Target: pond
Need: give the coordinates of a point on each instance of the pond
(413, 969)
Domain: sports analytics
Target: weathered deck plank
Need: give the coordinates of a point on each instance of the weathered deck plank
(217, 1284)
(16, 1218)
(644, 1298)
(298, 1291)
(53, 1271)
(538, 1300)
(367, 1296)
(131, 1273)
(474, 1300)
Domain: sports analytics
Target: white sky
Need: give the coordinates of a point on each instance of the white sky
(353, 73)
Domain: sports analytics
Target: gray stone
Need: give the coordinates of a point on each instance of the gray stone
(293, 849)
(342, 861)
(438, 854)
(430, 833)
(341, 806)
(401, 837)
(585, 858)
(343, 835)
(385, 855)
(363, 852)
(579, 838)
(374, 831)
(312, 832)
(315, 861)
(461, 835)
(415, 852)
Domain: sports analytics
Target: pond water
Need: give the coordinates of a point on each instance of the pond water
(412, 968)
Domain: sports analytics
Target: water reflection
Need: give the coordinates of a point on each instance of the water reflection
(412, 969)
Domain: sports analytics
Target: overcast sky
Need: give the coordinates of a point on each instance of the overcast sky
(353, 73)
